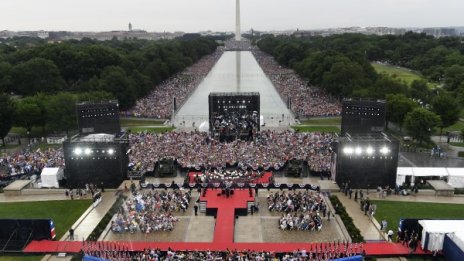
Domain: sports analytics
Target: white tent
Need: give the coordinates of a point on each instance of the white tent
(434, 231)
(424, 172)
(51, 176)
(456, 177)
(204, 127)
(401, 174)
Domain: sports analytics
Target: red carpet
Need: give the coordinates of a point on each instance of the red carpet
(263, 179)
(225, 219)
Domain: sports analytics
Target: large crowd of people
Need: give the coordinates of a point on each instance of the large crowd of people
(151, 211)
(303, 209)
(196, 151)
(159, 103)
(30, 161)
(306, 100)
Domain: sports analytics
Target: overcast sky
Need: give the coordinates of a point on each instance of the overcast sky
(219, 15)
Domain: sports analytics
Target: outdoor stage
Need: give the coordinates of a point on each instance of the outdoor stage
(263, 179)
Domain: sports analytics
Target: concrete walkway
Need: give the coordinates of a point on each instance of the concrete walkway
(369, 229)
(91, 217)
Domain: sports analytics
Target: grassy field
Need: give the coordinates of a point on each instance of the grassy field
(323, 121)
(458, 126)
(128, 122)
(21, 258)
(63, 212)
(393, 211)
(151, 129)
(402, 74)
(316, 128)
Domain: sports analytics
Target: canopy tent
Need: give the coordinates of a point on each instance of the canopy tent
(456, 177)
(50, 177)
(204, 127)
(434, 231)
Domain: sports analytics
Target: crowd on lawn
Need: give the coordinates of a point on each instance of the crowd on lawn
(322, 252)
(159, 103)
(150, 211)
(196, 151)
(301, 210)
(31, 161)
(306, 100)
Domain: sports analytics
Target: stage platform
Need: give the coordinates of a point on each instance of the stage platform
(441, 188)
(15, 188)
(263, 179)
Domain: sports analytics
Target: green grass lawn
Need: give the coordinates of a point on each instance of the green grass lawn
(63, 212)
(127, 122)
(323, 121)
(393, 211)
(151, 129)
(402, 74)
(458, 126)
(316, 128)
(457, 144)
(21, 258)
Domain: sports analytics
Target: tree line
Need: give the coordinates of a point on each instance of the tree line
(341, 65)
(50, 77)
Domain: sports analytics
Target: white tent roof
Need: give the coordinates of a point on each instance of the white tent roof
(457, 172)
(50, 171)
(441, 226)
(404, 171)
(420, 172)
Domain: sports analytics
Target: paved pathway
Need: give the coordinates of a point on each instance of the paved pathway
(90, 219)
(368, 228)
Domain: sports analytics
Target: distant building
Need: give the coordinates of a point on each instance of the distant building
(130, 27)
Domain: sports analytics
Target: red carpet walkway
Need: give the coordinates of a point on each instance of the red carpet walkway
(225, 218)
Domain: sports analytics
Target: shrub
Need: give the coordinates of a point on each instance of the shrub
(461, 154)
(347, 220)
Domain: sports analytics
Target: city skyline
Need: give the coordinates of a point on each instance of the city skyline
(219, 15)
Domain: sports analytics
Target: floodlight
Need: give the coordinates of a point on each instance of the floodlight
(358, 151)
(110, 151)
(384, 150)
(78, 151)
(87, 151)
(369, 150)
(348, 150)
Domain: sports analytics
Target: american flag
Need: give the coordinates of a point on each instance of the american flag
(52, 229)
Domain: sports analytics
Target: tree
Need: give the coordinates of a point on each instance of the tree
(6, 115)
(447, 108)
(28, 113)
(420, 124)
(61, 112)
(419, 90)
(398, 106)
(454, 77)
(36, 75)
(114, 80)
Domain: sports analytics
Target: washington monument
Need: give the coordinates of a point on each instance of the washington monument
(238, 34)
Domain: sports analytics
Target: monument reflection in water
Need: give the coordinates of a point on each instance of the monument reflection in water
(235, 72)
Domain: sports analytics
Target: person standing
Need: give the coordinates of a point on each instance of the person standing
(195, 207)
(71, 234)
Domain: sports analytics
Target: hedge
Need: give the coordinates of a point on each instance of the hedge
(347, 220)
